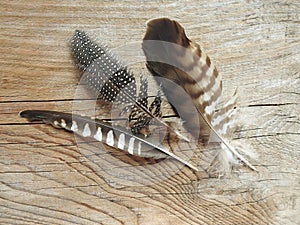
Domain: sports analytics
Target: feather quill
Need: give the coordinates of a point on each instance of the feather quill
(102, 131)
(181, 66)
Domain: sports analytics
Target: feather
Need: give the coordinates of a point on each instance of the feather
(113, 136)
(103, 73)
(189, 79)
(110, 80)
(138, 120)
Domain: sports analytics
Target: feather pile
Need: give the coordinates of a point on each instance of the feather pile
(112, 82)
(186, 76)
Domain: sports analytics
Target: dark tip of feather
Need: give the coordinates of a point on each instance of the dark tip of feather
(168, 30)
(32, 115)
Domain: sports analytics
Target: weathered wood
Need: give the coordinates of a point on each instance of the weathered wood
(49, 177)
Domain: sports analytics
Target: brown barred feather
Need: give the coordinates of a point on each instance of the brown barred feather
(190, 69)
(189, 79)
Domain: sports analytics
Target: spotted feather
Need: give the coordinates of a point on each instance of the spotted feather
(110, 80)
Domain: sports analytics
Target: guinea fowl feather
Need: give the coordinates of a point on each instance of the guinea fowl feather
(110, 80)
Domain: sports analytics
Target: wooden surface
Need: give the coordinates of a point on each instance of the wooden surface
(47, 179)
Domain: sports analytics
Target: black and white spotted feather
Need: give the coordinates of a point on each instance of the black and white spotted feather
(104, 74)
(111, 81)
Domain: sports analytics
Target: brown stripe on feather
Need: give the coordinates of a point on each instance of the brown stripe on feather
(196, 94)
(208, 61)
(182, 62)
(204, 103)
(208, 88)
(190, 72)
(216, 73)
(199, 51)
(225, 115)
(216, 94)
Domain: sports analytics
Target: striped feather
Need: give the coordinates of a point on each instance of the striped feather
(104, 132)
(171, 55)
(189, 80)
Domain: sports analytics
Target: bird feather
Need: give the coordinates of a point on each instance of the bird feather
(104, 132)
(189, 79)
(110, 80)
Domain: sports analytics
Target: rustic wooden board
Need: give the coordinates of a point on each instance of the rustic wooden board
(46, 178)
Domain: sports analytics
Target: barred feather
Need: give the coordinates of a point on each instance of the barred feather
(189, 79)
(114, 136)
(170, 54)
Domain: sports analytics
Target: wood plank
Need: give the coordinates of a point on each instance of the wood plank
(49, 176)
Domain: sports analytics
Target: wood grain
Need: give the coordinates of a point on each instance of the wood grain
(50, 177)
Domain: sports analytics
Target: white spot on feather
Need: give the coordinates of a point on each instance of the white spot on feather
(74, 126)
(131, 145)
(210, 70)
(140, 148)
(121, 141)
(110, 138)
(86, 130)
(63, 123)
(217, 84)
(211, 108)
(98, 135)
